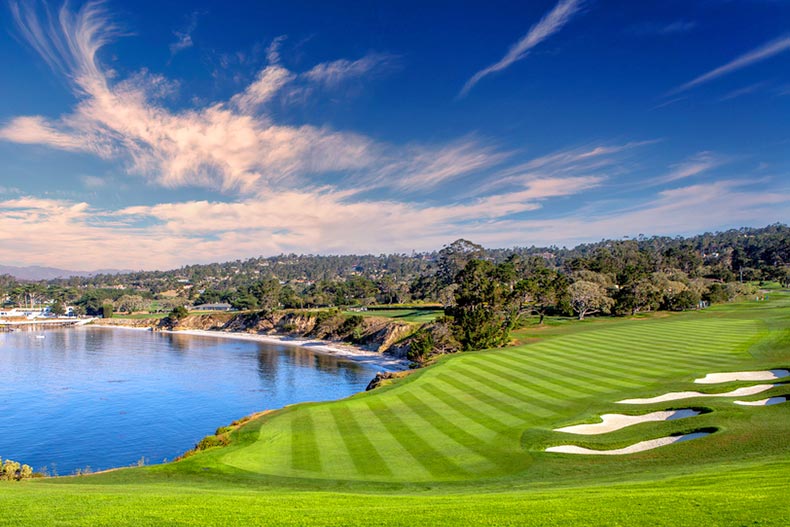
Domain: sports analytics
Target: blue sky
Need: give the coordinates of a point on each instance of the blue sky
(155, 134)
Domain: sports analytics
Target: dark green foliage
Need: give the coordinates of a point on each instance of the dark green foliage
(58, 309)
(212, 441)
(353, 327)
(421, 346)
(482, 310)
(106, 311)
(244, 302)
(686, 299)
(178, 313)
(538, 278)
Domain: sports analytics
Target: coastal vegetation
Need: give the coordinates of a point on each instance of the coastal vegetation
(13, 471)
(465, 296)
(636, 273)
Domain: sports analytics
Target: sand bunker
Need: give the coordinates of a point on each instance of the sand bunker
(638, 447)
(612, 422)
(769, 375)
(763, 402)
(674, 396)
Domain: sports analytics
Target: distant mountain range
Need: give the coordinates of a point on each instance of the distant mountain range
(36, 272)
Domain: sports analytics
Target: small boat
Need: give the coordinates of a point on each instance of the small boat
(39, 336)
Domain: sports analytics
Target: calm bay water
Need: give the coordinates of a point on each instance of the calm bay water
(106, 398)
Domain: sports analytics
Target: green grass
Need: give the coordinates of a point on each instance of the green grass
(415, 315)
(462, 442)
(140, 316)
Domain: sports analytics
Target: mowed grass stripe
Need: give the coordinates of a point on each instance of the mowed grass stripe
(483, 433)
(672, 343)
(669, 347)
(439, 465)
(304, 448)
(561, 372)
(511, 417)
(574, 360)
(505, 388)
(478, 415)
(526, 385)
(364, 455)
(403, 464)
(673, 335)
(336, 460)
(562, 382)
(455, 432)
(576, 374)
(625, 358)
(435, 435)
(698, 331)
(649, 358)
(494, 402)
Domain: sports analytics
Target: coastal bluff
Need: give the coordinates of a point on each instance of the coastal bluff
(377, 334)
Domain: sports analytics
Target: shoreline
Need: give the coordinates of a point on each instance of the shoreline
(323, 347)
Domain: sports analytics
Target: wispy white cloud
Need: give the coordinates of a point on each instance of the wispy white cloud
(171, 234)
(552, 22)
(663, 28)
(334, 73)
(760, 54)
(37, 130)
(746, 90)
(273, 51)
(693, 166)
(268, 83)
(235, 146)
(230, 146)
(92, 182)
(424, 168)
(184, 36)
(589, 165)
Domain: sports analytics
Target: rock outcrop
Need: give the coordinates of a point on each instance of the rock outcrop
(370, 333)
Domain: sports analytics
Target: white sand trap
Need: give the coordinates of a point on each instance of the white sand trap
(638, 447)
(763, 402)
(612, 422)
(769, 375)
(674, 396)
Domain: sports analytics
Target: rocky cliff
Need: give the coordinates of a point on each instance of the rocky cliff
(370, 333)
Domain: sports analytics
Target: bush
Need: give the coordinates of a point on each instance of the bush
(421, 346)
(212, 441)
(178, 313)
(13, 471)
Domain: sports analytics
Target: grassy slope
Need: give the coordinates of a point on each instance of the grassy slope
(463, 442)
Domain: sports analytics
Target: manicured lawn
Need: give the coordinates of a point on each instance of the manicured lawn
(416, 315)
(463, 442)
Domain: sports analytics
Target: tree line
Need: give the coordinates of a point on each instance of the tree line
(608, 277)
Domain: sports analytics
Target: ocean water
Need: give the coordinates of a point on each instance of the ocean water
(100, 398)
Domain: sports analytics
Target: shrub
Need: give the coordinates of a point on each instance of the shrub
(178, 313)
(212, 441)
(421, 346)
(13, 471)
